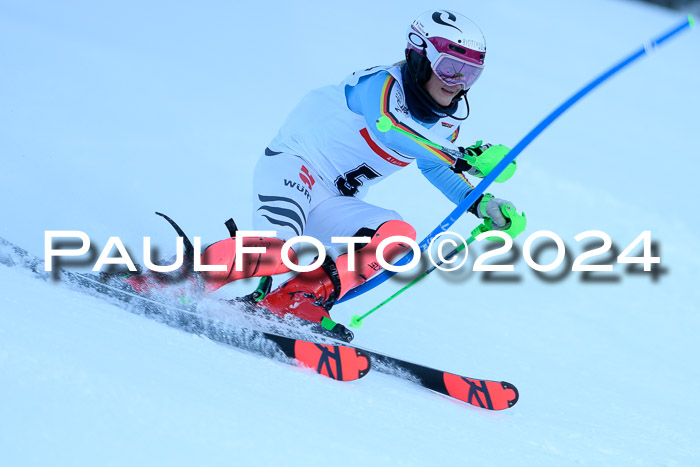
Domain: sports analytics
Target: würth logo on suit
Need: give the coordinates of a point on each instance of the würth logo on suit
(306, 177)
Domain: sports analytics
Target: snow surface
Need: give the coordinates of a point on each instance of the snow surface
(111, 111)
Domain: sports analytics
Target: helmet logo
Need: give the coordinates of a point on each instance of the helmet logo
(417, 40)
(437, 17)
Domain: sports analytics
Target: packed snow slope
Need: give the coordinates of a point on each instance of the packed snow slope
(109, 112)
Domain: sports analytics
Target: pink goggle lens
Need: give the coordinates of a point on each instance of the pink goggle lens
(452, 71)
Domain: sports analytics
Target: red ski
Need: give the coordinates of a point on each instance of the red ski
(334, 361)
(485, 394)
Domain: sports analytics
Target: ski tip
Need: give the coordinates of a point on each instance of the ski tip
(691, 21)
(516, 395)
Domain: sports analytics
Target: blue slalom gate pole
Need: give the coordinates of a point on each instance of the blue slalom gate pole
(481, 187)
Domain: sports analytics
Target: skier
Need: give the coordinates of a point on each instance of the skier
(311, 177)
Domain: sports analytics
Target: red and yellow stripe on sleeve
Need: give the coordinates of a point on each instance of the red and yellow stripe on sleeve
(461, 175)
(385, 111)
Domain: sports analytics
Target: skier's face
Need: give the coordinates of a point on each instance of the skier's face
(442, 93)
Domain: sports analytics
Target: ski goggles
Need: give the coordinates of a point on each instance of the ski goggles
(452, 63)
(453, 71)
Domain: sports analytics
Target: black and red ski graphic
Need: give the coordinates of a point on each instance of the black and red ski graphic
(338, 362)
(335, 360)
(485, 394)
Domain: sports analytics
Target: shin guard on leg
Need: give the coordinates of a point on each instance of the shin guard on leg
(310, 295)
(253, 264)
(366, 265)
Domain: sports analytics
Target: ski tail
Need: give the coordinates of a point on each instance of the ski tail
(189, 248)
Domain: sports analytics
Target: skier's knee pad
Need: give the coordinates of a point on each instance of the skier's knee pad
(254, 264)
(366, 264)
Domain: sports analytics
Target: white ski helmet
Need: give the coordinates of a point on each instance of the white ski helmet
(447, 43)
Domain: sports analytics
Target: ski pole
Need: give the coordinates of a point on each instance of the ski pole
(510, 157)
(384, 124)
(356, 320)
(517, 225)
(484, 163)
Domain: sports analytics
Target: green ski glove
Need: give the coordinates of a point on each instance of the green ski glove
(480, 159)
(499, 214)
